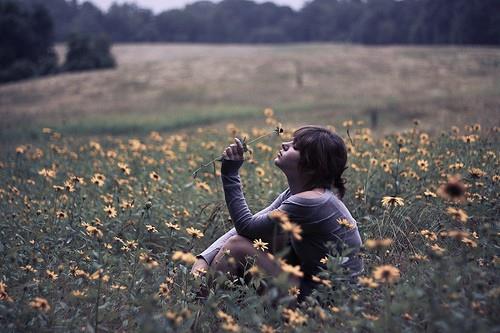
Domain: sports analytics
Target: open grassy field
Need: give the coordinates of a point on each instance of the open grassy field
(101, 218)
(168, 86)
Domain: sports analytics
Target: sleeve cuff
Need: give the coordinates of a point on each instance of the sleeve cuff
(230, 167)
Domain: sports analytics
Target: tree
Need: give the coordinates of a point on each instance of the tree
(85, 53)
(26, 42)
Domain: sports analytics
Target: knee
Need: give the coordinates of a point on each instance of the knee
(238, 247)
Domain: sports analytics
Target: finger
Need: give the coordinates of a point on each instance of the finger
(229, 153)
(234, 149)
(239, 145)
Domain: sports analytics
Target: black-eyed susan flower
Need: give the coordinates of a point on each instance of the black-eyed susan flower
(378, 243)
(267, 329)
(286, 224)
(110, 211)
(457, 214)
(294, 291)
(260, 245)
(476, 173)
(41, 304)
(93, 231)
(367, 281)
(173, 226)
(294, 318)
(388, 201)
(186, 257)
(423, 165)
(386, 274)
(260, 172)
(98, 179)
(345, 223)
(454, 189)
(124, 168)
(193, 232)
(154, 176)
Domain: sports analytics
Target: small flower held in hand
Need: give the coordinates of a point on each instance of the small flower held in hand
(277, 131)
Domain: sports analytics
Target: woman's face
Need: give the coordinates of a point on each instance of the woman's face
(287, 158)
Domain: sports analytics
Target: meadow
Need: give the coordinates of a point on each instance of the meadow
(101, 217)
(169, 86)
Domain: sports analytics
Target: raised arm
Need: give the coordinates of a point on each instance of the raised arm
(245, 223)
(210, 253)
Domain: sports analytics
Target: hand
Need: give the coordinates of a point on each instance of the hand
(200, 266)
(234, 152)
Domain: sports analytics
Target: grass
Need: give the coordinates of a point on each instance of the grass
(169, 86)
(94, 232)
(95, 209)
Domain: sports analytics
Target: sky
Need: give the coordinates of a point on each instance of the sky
(160, 5)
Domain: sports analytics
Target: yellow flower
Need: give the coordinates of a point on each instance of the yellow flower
(294, 291)
(260, 172)
(437, 249)
(151, 228)
(369, 316)
(260, 245)
(39, 303)
(457, 214)
(418, 257)
(47, 173)
(173, 226)
(454, 189)
(52, 275)
(294, 317)
(195, 233)
(124, 168)
(154, 176)
(378, 243)
(286, 225)
(98, 179)
(61, 215)
(367, 282)
(164, 290)
(429, 235)
(345, 223)
(229, 324)
(111, 211)
(268, 112)
(392, 201)
(93, 231)
(267, 329)
(203, 186)
(476, 172)
(428, 193)
(294, 270)
(188, 257)
(423, 165)
(386, 274)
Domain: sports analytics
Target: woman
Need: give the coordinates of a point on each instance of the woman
(313, 163)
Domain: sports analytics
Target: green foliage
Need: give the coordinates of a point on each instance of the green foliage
(85, 52)
(87, 226)
(26, 42)
(244, 21)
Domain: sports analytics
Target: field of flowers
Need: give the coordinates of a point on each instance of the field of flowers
(100, 234)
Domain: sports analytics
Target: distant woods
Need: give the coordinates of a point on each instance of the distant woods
(243, 21)
(30, 27)
(27, 45)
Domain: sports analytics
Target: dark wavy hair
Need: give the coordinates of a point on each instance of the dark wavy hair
(323, 157)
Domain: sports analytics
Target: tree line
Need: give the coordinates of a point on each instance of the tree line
(27, 45)
(244, 21)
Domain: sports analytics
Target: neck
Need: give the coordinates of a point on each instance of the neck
(296, 185)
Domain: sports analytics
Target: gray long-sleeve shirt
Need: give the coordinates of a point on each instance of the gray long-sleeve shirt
(318, 218)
